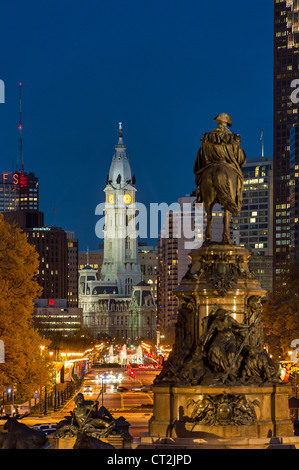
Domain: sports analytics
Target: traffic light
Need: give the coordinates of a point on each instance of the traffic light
(104, 387)
(132, 373)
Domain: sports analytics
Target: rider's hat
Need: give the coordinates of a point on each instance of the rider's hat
(223, 117)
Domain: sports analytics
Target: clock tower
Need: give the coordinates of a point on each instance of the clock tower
(120, 269)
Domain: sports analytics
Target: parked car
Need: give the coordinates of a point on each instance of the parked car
(87, 389)
(16, 410)
(22, 409)
(48, 428)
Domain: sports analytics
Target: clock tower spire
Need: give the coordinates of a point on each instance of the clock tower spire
(120, 269)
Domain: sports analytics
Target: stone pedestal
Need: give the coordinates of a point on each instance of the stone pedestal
(172, 415)
(219, 382)
(219, 274)
(183, 443)
(118, 442)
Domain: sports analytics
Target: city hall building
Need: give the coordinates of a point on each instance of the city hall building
(117, 302)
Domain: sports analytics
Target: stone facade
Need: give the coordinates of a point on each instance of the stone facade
(116, 302)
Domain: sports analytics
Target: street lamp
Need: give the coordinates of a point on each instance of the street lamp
(40, 385)
(10, 391)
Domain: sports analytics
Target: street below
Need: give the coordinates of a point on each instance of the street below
(131, 397)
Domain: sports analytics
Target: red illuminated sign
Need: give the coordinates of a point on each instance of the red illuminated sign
(17, 179)
(51, 302)
(14, 178)
(23, 180)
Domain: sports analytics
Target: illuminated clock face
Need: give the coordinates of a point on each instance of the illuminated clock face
(111, 198)
(127, 198)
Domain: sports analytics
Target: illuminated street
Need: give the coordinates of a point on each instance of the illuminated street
(135, 404)
(138, 389)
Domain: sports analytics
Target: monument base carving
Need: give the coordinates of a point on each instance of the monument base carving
(217, 412)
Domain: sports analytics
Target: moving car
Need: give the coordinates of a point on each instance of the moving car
(87, 389)
(122, 389)
(136, 389)
(109, 377)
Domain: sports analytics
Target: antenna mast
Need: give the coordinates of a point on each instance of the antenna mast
(20, 130)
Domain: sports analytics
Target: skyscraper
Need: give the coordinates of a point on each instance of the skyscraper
(253, 227)
(182, 232)
(72, 269)
(294, 188)
(286, 71)
(18, 191)
(52, 247)
(58, 255)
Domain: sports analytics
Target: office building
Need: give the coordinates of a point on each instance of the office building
(148, 260)
(56, 316)
(72, 269)
(253, 227)
(294, 189)
(182, 232)
(19, 191)
(58, 255)
(286, 70)
(51, 245)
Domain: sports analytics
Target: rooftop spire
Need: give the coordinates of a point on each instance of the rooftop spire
(262, 139)
(120, 129)
(120, 171)
(120, 133)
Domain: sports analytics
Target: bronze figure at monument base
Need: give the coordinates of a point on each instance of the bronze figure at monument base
(89, 423)
(219, 337)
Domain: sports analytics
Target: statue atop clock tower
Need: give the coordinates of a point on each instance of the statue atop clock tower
(120, 269)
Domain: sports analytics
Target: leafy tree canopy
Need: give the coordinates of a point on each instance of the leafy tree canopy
(25, 367)
(281, 314)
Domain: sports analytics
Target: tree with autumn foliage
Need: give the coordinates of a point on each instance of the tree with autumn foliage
(26, 366)
(281, 314)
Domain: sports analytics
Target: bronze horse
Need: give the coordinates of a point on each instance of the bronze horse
(219, 178)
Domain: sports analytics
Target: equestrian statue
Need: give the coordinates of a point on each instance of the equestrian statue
(218, 174)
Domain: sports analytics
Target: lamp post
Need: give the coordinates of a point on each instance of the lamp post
(40, 385)
(102, 391)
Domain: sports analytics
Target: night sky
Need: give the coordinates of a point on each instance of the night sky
(165, 69)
